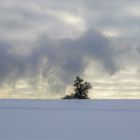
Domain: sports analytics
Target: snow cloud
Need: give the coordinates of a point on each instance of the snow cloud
(44, 45)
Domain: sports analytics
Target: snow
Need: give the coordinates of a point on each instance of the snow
(69, 119)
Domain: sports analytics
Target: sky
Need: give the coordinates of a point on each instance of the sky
(44, 45)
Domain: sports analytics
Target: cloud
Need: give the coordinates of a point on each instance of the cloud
(8, 63)
(57, 60)
(50, 42)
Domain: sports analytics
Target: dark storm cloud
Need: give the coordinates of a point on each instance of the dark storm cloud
(11, 66)
(70, 57)
(65, 58)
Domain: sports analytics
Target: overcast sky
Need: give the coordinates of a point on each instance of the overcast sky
(45, 44)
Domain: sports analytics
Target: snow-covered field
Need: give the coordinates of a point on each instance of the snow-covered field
(69, 119)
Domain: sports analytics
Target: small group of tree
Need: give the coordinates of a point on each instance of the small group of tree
(80, 89)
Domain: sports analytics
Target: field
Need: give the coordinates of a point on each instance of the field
(69, 119)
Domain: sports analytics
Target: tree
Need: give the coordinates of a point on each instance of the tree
(80, 89)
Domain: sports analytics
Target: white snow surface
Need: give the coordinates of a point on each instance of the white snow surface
(69, 119)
